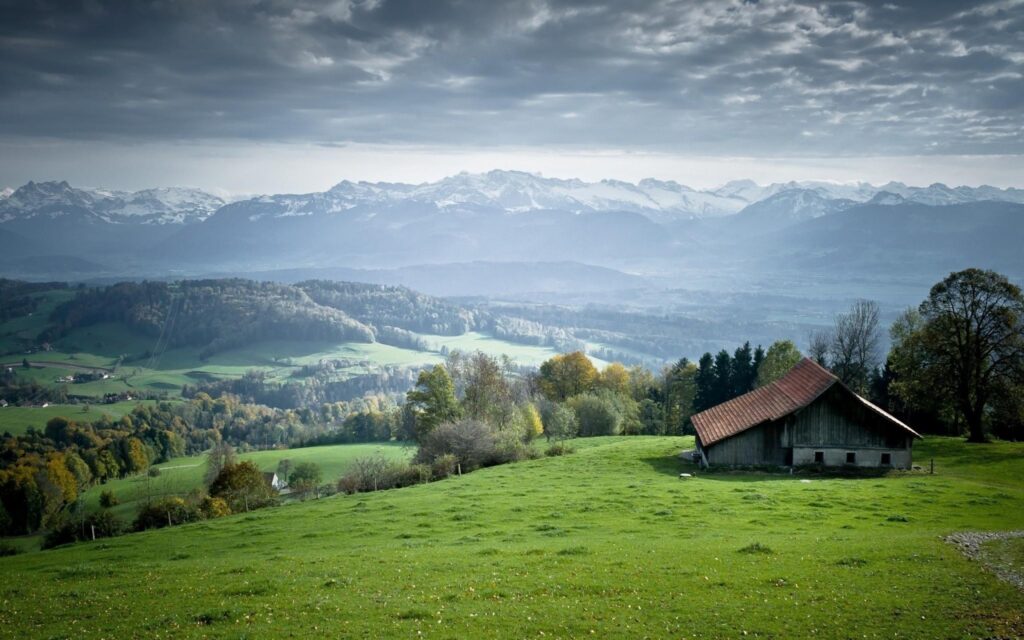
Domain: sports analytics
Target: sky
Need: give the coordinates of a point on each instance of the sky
(255, 96)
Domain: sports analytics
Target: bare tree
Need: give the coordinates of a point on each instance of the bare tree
(854, 349)
(221, 455)
(820, 343)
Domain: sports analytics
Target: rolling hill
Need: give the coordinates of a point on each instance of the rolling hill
(605, 542)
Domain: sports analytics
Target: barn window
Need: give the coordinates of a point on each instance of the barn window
(819, 457)
(887, 459)
(851, 457)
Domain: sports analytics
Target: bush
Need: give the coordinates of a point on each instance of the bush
(210, 507)
(509, 447)
(165, 512)
(374, 473)
(471, 442)
(8, 549)
(444, 466)
(597, 416)
(108, 499)
(65, 533)
(243, 487)
(558, 449)
(103, 523)
(154, 472)
(560, 423)
(106, 524)
(414, 474)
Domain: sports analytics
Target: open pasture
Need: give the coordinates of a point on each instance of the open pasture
(605, 542)
(182, 475)
(17, 420)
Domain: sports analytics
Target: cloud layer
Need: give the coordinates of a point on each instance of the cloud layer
(750, 78)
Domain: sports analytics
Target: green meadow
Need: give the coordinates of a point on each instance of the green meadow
(136, 364)
(179, 476)
(17, 420)
(606, 542)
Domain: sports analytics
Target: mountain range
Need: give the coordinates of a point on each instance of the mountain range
(508, 218)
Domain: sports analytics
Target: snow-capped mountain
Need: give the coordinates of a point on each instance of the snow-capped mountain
(57, 200)
(517, 192)
(6, 192)
(789, 207)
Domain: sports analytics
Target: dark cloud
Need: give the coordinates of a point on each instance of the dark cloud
(764, 77)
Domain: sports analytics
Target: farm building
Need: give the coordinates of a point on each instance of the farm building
(806, 417)
(273, 481)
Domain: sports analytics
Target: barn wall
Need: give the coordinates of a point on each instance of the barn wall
(761, 445)
(837, 420)
(836, 456)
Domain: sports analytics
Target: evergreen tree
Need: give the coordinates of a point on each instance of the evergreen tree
(723, 378)
(705, 396)
(743, 371)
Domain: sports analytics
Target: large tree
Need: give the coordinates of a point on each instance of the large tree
(433, 399)
(567, 375)
(969, 345)
(781, 357)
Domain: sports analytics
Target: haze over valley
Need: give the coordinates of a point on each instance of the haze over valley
(533, 318)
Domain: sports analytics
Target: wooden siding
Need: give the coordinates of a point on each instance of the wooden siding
(756, 446)
(834, 420)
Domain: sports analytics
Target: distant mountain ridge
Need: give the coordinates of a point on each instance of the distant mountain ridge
(507, 191)
(164, 205)
(487, 227)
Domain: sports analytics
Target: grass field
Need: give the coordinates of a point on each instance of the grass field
(134, 368)
(17, 420)
(606, 542)
(182, 475)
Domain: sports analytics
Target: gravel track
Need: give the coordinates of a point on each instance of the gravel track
(970, 543)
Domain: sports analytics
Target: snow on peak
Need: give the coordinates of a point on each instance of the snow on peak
(163, 205)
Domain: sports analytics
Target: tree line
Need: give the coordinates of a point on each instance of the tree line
(42, 473)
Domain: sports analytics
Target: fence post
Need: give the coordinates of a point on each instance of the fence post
(932, 469)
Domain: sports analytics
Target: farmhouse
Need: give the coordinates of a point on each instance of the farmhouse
(807, 417)
(273, 481)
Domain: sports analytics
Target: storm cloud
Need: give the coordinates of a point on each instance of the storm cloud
(754, 78)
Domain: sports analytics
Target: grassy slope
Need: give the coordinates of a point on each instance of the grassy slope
(17, 420)
(607, 542)
(182, 475)
(102, 345)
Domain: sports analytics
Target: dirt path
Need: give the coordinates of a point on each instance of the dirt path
(971, 544)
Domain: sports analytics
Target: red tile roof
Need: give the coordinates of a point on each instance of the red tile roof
(800, 387)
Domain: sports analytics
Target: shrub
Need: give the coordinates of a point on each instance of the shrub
(509, 447)
(560, 423)
(471, 442)
(210, 507)
(108, 499)
(8, 549)
(103, 524)
(65, 533)
(154, 472)
(106, 525)
(444, 465)
(374, 473)
(165, 512)
(415, 474)
(597, 416)
(242, 486)
(558, 449)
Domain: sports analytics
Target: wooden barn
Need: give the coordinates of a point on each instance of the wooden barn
(807, 417)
